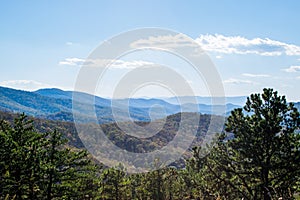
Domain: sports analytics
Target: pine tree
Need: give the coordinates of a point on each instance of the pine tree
(41, 166)
(114, 183)
(68, 173)
(19, 159)
(259, 156)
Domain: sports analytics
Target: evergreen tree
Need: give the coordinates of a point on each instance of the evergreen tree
(259, 156)
(115, 183)
(40, 166)
(19, 161)
(68, 173)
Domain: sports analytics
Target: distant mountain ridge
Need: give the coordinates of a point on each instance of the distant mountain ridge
(237, 100)
(204, 103)
(56, 104)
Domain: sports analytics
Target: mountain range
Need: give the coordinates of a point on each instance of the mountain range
(56, 104)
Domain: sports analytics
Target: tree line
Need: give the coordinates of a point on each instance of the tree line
(256, 157)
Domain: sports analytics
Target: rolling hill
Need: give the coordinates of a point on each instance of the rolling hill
(56, 104)
(167, 128)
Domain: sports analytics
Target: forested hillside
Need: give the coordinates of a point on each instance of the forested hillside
(117, 136)
(256, 157)
(55, 104)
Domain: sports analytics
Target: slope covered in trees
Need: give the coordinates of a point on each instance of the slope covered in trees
(55, 104)
(256, 157)
(168, 126)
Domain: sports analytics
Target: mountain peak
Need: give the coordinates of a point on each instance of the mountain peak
(54, 93)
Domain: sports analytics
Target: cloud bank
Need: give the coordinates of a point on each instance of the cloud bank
(241, 45)
(292, 69)
(256, 75)
(114, 64)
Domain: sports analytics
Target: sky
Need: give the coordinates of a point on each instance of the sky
(253, 44)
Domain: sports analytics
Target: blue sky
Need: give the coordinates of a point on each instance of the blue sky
(254, 44)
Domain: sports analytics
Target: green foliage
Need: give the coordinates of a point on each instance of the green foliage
(39, 166)
(114, 183)
(259, 157)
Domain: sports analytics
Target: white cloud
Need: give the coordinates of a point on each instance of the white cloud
(219, 57)
(28, 85)
(69, 43)
(222, 44)
(240, 45)
(237, 81)
(115, 64)
(292, 69)
(165, 42)
(72, 61)
(120, 64)
(256, 75)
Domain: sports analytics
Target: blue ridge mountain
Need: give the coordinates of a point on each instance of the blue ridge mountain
(56, 104)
